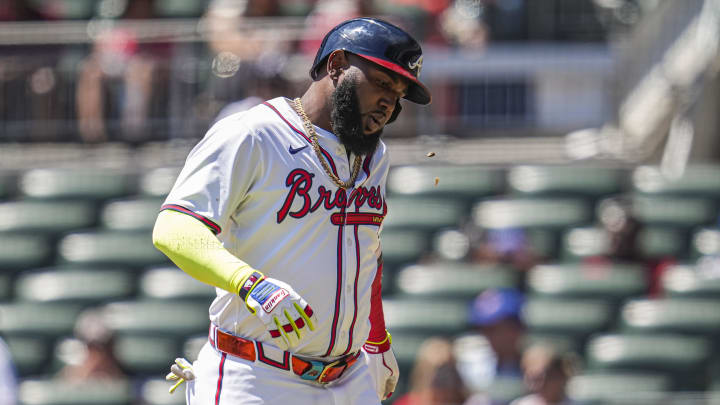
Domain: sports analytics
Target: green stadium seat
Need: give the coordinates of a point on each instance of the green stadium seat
(541, 242)
(455, 245)
(705, 242)
(682, 315)
(611, 281)
(467, 182)
(531, 213)
(110, 248)
(59, 392)
(5, 287)
(179, 9)
(46, 216)
(30, 354)
(76, 183)
(192, 346)
(697, 180)
(656, 351)
(683, 358)
(567, 180)
(451, 244)
(20, 251)
(451, 279)
(656, 242)
(38, 319)
(7, 185)
(146, 354)
(155, 392)
(673, 211)
(616, 387)
(653, 242)
(158, 182)
(156, 318)
(443, 317)
(578, 243)
(173, 283)
(427, 213)
(691, 281)
(577, 318)
(82, 286)
(130, 214)
(561, 343)
(403, 246)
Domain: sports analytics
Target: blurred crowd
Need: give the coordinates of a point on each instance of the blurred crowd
(126, 82)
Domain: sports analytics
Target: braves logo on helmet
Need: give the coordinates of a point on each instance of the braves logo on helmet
(417, 64)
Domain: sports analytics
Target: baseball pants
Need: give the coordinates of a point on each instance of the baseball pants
(224, 379)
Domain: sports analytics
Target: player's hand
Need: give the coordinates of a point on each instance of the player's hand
(383, 367)
(180, 372)
(286, 315)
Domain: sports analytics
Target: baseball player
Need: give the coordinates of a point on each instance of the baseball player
(280, 207)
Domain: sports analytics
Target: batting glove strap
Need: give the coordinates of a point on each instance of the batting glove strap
(379, 347)
(254, 279)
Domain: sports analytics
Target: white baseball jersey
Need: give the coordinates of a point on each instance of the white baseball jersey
(255, 180)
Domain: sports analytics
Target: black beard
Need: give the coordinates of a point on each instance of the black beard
(346, 119)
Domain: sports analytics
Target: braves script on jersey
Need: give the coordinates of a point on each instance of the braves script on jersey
(256, 181)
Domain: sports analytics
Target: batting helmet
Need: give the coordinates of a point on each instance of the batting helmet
(381, 43)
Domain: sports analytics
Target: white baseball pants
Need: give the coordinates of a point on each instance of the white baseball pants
(224, 379)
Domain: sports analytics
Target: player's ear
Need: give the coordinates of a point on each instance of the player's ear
(337, 62)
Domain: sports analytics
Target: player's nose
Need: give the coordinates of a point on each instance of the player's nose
(386, 104)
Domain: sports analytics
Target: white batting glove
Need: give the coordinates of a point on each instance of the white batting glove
(180, 372)
(285, 314)
(383, 366)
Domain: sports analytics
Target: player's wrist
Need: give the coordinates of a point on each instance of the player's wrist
(379, 346)
(244, 280)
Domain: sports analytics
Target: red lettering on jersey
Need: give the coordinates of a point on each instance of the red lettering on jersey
(300, 184)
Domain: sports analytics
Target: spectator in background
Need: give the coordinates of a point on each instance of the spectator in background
(8, 378)
(120, 54)
(248, 64)
(434, 379)
(496, 315)
(98, 361)
(327, 14)
(546, 374)
(462, 25)
(18, 10)
(510, 246)
(624, 230)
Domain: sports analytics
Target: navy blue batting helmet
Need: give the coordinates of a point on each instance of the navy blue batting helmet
(381, 43)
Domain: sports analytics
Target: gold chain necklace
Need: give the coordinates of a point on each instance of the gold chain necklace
(316, 146)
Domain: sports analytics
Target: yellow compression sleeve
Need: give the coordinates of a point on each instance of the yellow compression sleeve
(198, 252)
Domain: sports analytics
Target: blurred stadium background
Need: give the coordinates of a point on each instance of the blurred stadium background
(576, 159)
